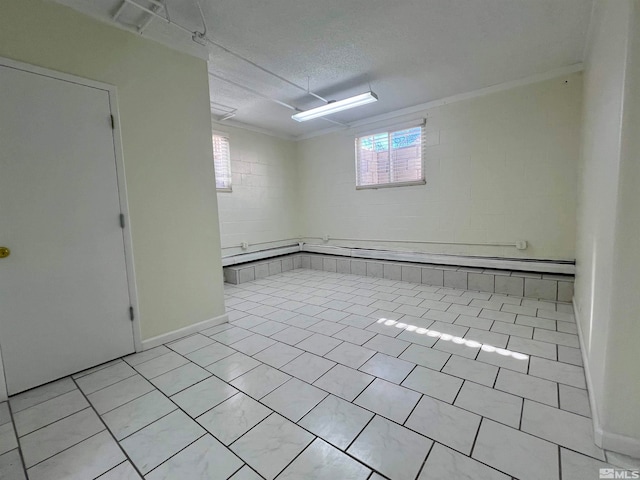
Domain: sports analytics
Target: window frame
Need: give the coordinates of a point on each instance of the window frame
(390, 130)
(228, 189)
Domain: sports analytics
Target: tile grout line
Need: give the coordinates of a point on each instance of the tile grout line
(505, 392)
(110, 433)
(145, 426)
(178, 408)
(40, 403)
(303, 428)
(559, 463)
(111, 469)
(462, 357)
(102, 366)
(55, 421)
(15, 432)
(298, 455)
(68, 448)
(135, 372)
(475, 440)
(359, 433)
(424, 462)
(453, 402)
(356, 437)
(179, 451)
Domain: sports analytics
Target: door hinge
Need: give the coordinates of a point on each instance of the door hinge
(122, 220)
(131, 314)
(113, 122)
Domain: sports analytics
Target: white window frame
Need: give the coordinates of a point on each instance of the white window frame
(228, 160)
(390, 130)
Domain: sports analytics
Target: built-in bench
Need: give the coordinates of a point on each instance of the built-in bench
(522, 283)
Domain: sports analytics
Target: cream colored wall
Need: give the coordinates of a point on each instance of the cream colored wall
(608, 262)
(603, 88)
(166, 134)
(499, 168)
(262, 207)
(622, 383)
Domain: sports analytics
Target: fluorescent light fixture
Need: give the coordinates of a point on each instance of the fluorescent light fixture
(334, 107)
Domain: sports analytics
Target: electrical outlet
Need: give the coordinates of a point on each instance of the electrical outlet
(244, 245)
(521, 244)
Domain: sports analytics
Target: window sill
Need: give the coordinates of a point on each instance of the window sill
(389, 185)
(223, 190)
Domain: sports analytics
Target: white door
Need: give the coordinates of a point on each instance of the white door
(64, 299)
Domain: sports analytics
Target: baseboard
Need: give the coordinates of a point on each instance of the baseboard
(183, 332)
(597, 429)
(603, 439)
(613, 442)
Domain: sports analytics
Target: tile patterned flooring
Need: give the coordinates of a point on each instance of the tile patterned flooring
(321, 375)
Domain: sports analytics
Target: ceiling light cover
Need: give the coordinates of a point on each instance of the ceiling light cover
(333, 107)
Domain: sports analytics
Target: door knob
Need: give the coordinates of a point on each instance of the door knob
(4, 252)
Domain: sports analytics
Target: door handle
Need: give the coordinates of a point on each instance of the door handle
(4, 252)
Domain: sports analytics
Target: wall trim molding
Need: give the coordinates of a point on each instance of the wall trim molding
(602, 438)
(251, 128)
(183, 332)
(539, 77)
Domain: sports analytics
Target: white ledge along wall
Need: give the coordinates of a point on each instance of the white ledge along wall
(499, 168)
(166, 135)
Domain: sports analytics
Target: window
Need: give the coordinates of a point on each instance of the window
(390, 159)
(222, 163)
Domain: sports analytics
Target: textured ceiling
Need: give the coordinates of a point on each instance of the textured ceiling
(409, 51)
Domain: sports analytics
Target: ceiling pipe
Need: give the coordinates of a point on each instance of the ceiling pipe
(240, 57)
(262, 95)
(204, 23)
(203, 36)
(255, 92)
(200, 37)
(164, 19)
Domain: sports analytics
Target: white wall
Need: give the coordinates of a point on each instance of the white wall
(608, 263)
(166, 136)
(262, 207)
(499, 168)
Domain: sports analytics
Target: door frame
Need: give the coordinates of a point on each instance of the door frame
(122, 189)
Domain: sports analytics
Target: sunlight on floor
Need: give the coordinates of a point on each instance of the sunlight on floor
(452, 338)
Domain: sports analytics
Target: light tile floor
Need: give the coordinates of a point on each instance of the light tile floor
(325, 376)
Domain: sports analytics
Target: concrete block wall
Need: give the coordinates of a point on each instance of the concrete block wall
(544, 286)
(500, 168)
(263, 204)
